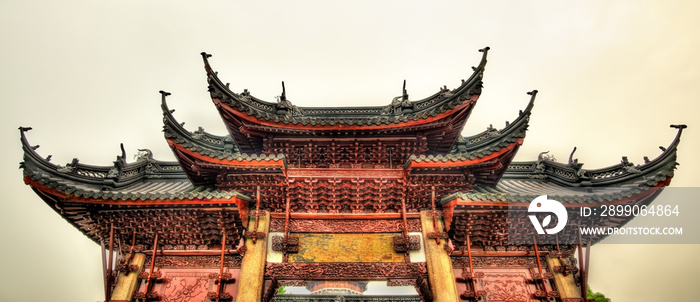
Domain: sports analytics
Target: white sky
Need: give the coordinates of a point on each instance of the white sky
(612, 76)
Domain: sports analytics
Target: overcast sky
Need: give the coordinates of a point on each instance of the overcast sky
(612, 76)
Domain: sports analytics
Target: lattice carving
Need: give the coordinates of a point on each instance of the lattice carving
(506, 287)
(231, 261)
(345, 195)
(345, 270)
(346, 154)
(345, 225)
(493, 262)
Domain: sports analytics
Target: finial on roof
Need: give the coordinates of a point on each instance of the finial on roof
(163, 104)
(485, 50)
(205, 56)
(121, 159)
(677, 139)
(573, 161)
(283, 97)
(404, 93)
(121, 146)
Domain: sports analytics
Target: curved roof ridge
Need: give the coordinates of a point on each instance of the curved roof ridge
(514, 129)
(221, 147)
(399, 110)
(120, 174)
(200, 138)
(523, 181)
(573, 174)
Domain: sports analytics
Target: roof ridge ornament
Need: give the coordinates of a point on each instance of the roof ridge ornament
(677, 139)
(680, 127)
(207, 67)
(400, 105)
(144, 154)
(163, 95)
(533, 95)
(404, 95)
(581, 174)
(485, 50)
(573, 161)
(121, 159)
(629, 166)
(283, 97)
(285, 106)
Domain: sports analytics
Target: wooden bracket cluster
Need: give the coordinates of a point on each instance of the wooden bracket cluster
(288, 245)
(254, 235)
(401, 245)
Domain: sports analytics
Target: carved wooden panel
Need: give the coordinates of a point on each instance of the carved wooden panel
(345, 271)
(200, 262)
(345, 225)
(501, 285)
(335, 195)
(495, 262)
(387, 153)
(507, 286)
(190, 285)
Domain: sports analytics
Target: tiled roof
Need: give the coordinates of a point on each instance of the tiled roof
(399, 111)
(219, 147)
(148, 179)
(145, 180)
(570, 183)
(487, 142)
